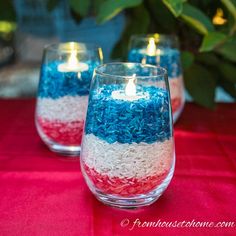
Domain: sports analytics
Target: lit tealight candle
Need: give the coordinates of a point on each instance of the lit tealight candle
(151, 48)
(130, 93)
(73, 65)
(151, 51)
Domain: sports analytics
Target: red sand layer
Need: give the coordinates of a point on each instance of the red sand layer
(65, 133)
(125, 187)
(175, 104)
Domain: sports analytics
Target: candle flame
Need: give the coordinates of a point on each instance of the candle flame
(73, 61)
(130, 89)
(151, 48)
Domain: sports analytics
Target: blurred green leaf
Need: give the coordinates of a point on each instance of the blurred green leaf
(230, 6)
(175, 6)
(228, 50)
(111, 8)
(228, 71)
(197, 19)
(51, 4)
(7, 12)
(96, 5)
(162, 18)
(187, 59)
(135, 25)
(201, 85)
(229, 87)
(212, 40)
(80, 6)
(209, 59)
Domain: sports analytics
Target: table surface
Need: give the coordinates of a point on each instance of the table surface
(42, 193)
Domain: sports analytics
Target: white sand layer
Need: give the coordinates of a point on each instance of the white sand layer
(66, 108)
(127, 160)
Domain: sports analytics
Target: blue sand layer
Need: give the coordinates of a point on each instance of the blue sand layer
(169, 59)
(54, 84)
(142, 120)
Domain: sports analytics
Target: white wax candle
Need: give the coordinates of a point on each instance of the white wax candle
(122, 96)
(78, 67)
(130, 92)
(158, 52)
(73, 65)
(151, 51)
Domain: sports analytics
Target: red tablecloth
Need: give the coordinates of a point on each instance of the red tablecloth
(42, 193)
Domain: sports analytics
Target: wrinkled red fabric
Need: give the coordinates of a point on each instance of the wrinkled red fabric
(42, 193)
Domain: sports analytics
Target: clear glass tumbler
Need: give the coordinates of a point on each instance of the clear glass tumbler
(127, 155)
(162, 50)
(65, 77)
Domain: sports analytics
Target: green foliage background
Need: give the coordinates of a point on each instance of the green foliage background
(208, 51)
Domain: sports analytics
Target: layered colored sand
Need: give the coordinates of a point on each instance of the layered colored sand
(127, 169)
(169, 58)
(65, 133)
(62, 120)
(124, 186)
(62, 104)
(128, 145)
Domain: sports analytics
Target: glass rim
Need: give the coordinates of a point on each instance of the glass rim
(162, 72)
(155, 36)
(55, 47)
(170, 40)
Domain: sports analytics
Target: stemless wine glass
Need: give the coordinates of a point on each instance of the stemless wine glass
(127, 156)
(65, 77)
(162, 50)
